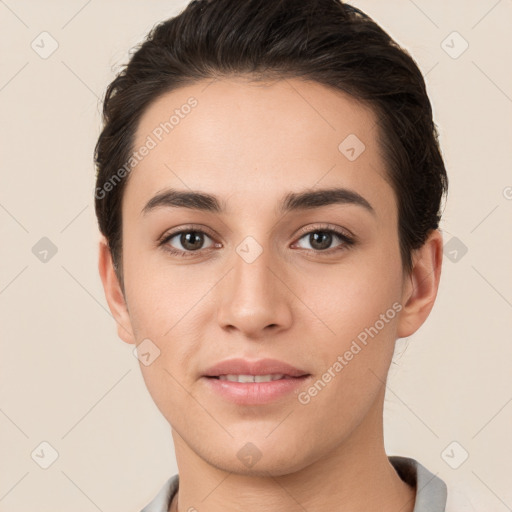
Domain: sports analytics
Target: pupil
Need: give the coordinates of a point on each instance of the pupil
(191, 240)
(314, 237)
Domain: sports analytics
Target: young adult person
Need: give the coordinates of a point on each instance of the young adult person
(268, 194)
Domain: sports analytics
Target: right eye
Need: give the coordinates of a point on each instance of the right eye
(190, 240)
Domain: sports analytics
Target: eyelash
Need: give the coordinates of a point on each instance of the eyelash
(345, 238)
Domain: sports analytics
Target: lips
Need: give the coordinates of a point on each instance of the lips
(240, 366)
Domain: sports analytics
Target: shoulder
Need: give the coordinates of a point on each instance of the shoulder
(432, 493)
(160, 503)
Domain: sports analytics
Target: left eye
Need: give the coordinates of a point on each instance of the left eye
(321, 240)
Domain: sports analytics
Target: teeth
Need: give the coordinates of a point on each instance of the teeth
(252, 378)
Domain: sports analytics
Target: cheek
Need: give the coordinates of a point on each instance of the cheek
(360, 305)
(165, 304)
(350, 298)
(158, 294)
(360, 308)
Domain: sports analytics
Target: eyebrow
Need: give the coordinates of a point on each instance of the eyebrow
(293, 201)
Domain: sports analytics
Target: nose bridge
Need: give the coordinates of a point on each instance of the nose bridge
(253, 297)
(252, 276)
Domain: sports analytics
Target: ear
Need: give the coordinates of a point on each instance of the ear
(113, 293)
(420, 289)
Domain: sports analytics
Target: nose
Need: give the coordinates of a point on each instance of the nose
(254, 298)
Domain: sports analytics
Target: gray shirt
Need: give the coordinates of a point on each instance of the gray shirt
(431, 491)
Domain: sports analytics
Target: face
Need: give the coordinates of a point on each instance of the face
(305, 285)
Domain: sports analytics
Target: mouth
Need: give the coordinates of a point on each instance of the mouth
(245, 370)
(255, 378)
(254, 382)
(254, 390)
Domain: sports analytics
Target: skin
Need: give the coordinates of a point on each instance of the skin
(250, 144)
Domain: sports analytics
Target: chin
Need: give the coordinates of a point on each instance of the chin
(259, 458)
(263, 468)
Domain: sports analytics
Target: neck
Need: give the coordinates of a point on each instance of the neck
(355, 476)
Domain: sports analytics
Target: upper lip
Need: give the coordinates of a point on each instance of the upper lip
(258, 367)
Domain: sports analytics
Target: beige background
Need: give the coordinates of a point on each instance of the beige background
(65, 377)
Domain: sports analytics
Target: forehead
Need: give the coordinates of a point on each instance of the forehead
(230, 136)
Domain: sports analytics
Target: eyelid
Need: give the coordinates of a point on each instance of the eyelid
(185, 229)
(326, 226)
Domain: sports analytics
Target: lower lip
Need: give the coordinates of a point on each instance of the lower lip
(255, 393)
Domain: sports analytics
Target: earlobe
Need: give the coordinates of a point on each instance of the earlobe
(423, 282)
(113, 293)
